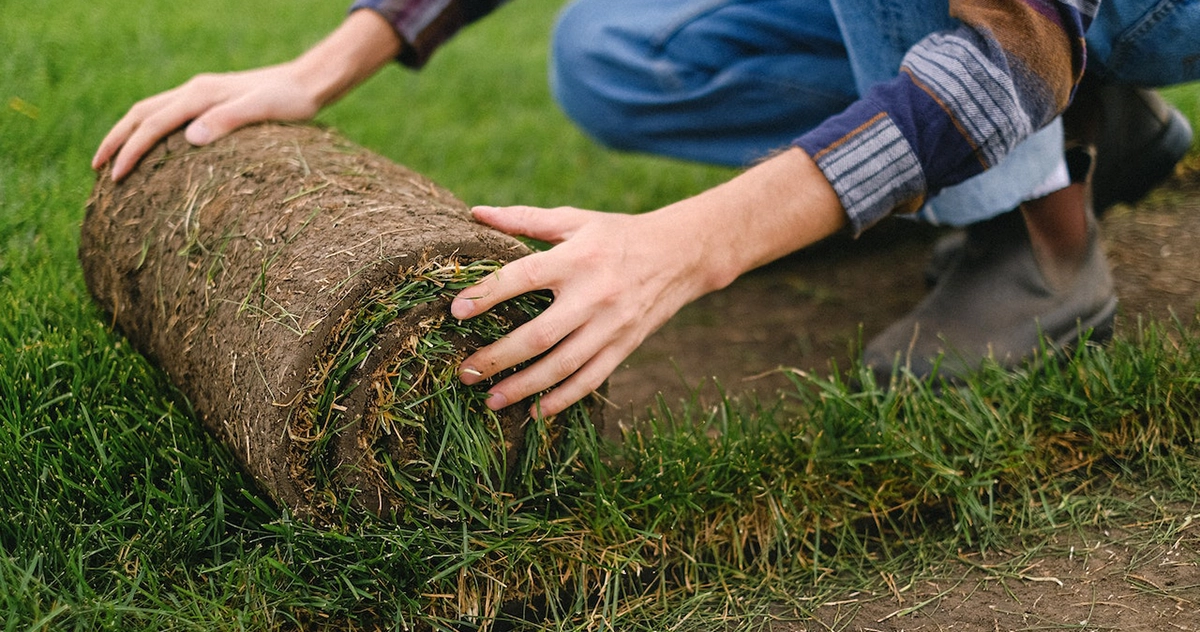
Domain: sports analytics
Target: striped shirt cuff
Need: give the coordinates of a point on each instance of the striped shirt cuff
(422, 24)
(872, 168)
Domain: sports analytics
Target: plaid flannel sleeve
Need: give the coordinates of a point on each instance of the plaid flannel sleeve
(960, 103)
(426, 24)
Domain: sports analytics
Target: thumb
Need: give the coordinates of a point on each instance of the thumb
(218, 122)
(199, 133)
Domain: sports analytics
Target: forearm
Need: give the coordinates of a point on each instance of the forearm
(773, 209)
(351, 54)
(616, 278)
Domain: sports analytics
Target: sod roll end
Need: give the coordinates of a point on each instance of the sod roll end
(296, 289)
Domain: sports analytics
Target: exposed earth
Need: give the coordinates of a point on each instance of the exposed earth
(819, 306)
(1103, 580)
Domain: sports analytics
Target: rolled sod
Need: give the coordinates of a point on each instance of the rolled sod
(295, 288)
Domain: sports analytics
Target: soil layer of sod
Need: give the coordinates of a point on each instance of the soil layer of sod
(295, 288)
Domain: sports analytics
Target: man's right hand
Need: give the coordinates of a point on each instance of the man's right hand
(217, 104)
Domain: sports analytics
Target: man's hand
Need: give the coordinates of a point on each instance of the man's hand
(618, 278)
(615, 279)
(217, 104)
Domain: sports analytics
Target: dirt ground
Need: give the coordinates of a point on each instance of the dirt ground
(815, 307)
(1102, 580)
(820, 305)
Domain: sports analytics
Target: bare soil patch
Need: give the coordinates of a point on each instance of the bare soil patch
(819, 306)
(1096, 580)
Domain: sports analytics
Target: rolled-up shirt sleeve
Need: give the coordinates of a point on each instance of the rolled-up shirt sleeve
(425, 24)
(961, 101)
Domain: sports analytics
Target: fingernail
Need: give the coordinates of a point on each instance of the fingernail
(469, 375)
(198, 133)
(496, 401)
(460, 308)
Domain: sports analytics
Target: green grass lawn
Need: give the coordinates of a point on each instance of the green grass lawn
(118, 512)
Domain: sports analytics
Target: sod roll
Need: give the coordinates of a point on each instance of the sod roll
(296, 289)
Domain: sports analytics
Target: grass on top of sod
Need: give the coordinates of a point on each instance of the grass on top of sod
(120, 513)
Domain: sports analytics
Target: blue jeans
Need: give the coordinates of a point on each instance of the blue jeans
(730, 81)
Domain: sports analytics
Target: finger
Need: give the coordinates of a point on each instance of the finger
(581, 384)
(113, 141)
(148, 133)
(164, 114)
(526, 274)
(125, 127)
(138, 143)
(547, 224)
(570, 389)
(525, 343)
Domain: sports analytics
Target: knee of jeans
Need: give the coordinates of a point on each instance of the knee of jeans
(594, 76)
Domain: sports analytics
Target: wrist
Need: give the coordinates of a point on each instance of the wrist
(358, 48)
(771, 210)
